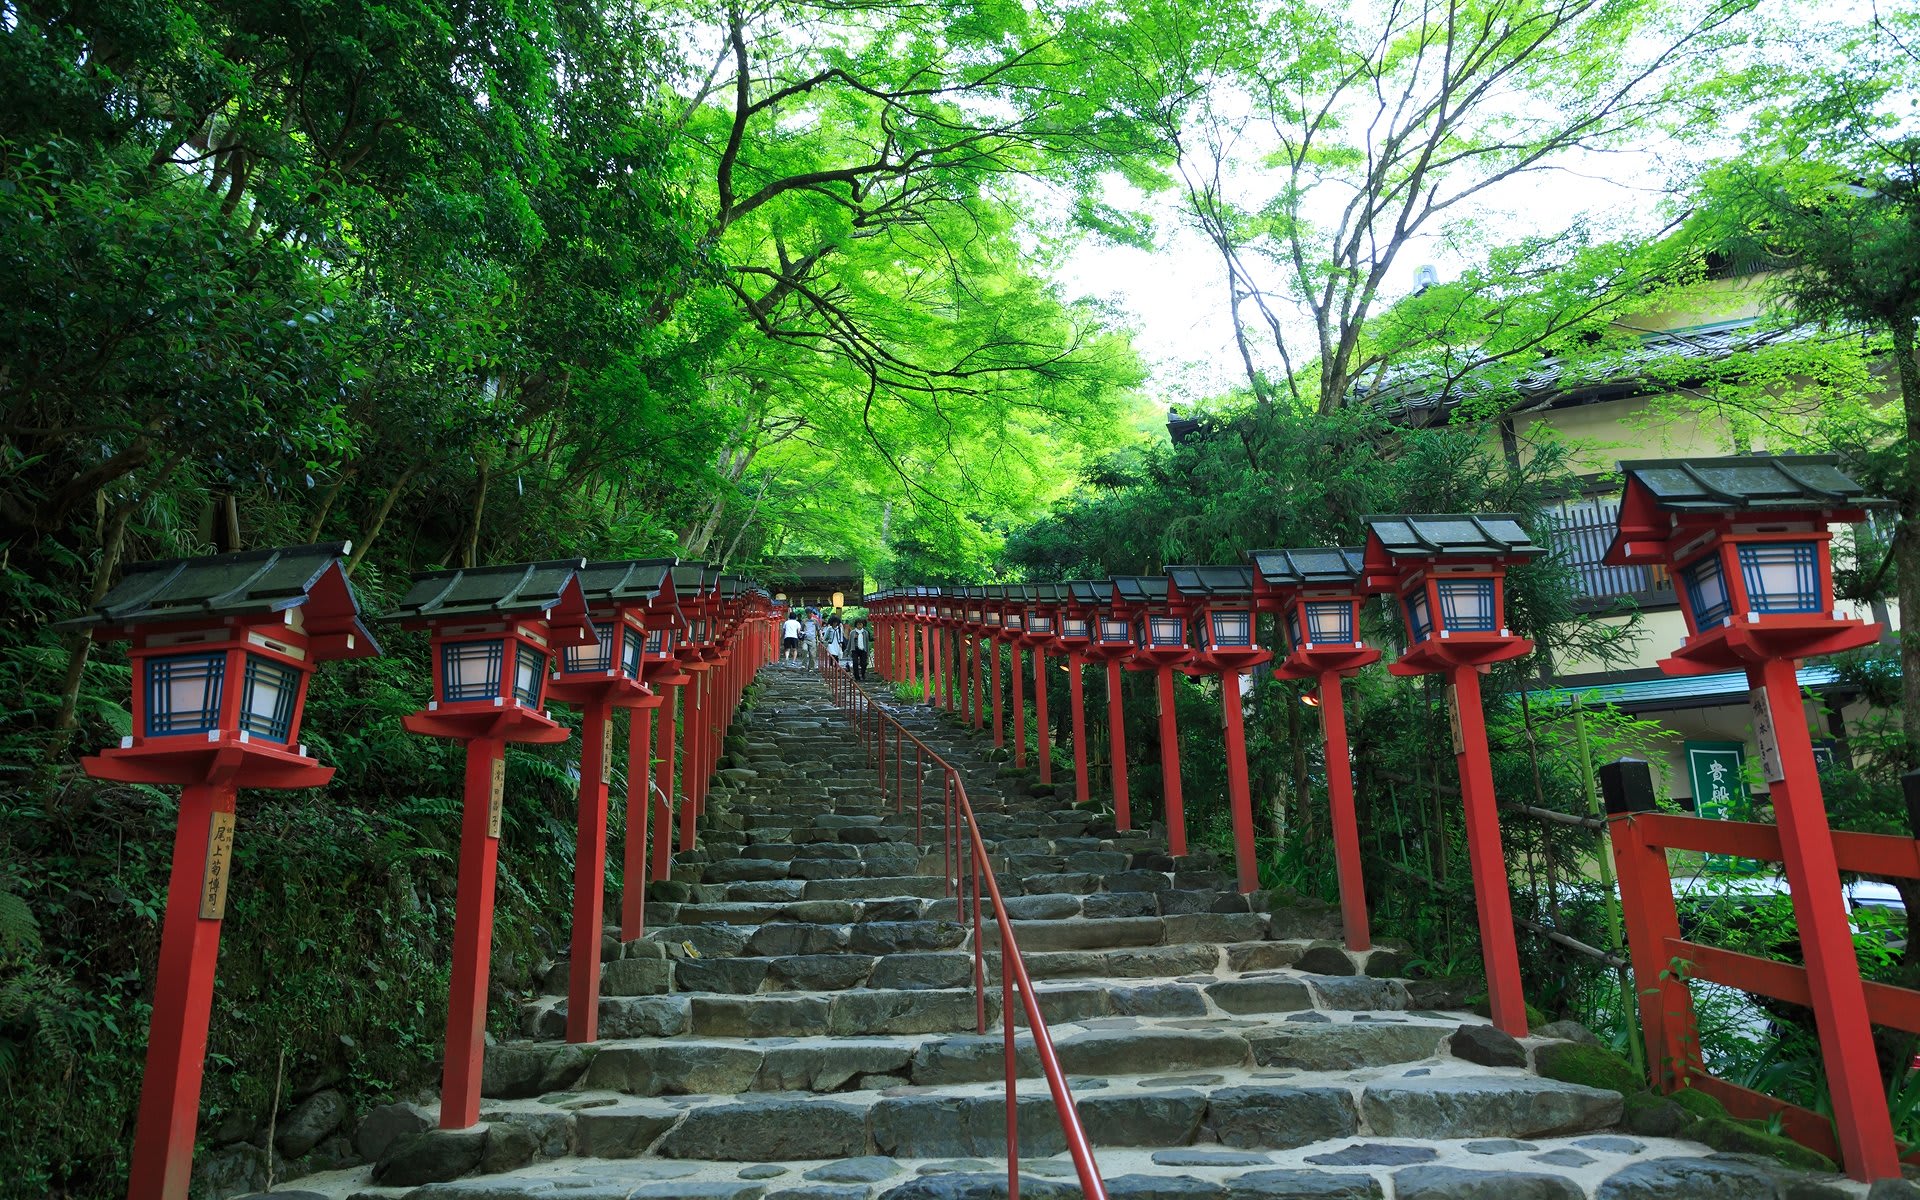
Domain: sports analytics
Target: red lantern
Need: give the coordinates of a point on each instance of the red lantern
(1748, 542)
(1222, 604)
(1315, 596)
(1447, 575)
(223, 648)
(492, 631)
(597, 679)
(1159, 636)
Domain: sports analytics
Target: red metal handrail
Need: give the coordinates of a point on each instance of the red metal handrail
(871, 723)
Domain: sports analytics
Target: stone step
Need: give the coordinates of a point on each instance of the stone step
(1095, 1049)
(868, 1010)
(1614, 1168)
(1277, 1113)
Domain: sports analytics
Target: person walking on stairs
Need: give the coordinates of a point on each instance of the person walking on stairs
(790, 639)
(862, 643)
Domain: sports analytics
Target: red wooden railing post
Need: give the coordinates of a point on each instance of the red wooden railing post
(1239, 797)
(1043, 731)
(472, 937)
(1648, 913)
(1176, 811)
(589, 873)
(1346, 827)
(980, 643)
(1486, 857)
(1117, 745)
(182, 1004)
(1076, 700)
(1826, 938)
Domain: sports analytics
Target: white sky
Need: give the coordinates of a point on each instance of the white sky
(1176, 297)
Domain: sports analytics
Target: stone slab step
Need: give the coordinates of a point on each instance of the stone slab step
(914, 1124)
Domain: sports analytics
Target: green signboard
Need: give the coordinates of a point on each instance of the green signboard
(1717, 771)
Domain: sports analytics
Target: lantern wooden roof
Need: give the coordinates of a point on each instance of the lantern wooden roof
(1745, 484)
(1210, 582)
(546, 591)
(1663, 494)
(243, 584)
(693, 579)
(1046, 593)
(1461, 538)
(1310, 566)
(1140, 589)
(637, 581)
(1090, 593)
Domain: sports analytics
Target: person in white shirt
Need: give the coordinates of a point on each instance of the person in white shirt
(790, 639)
(861, 641)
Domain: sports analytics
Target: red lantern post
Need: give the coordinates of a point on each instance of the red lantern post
(1747, 541)
(1221, 601)
(597, 680)
(699, 591)
(493, 630)
(223, 648)
(1159, 645)
(1315, 596)
(976, 627)
(994, 611)
(1041, 626)
(1014, 621)
(1079, 608)
(646, 805)
(1111, 642)
(1447, 577)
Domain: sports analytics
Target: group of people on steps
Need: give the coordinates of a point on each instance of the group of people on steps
(810, 633)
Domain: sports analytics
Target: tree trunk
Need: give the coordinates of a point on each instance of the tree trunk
(379, 519)
(470, 556)
(1906, 541)
(66, 718)
(326, 506)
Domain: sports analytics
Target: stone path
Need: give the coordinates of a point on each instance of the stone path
(798, 1025)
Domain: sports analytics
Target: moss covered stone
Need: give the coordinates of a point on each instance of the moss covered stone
(1699, 1104)
(1749, 1137)
(1594, 1066)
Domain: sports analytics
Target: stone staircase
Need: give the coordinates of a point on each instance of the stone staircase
(800, 1023)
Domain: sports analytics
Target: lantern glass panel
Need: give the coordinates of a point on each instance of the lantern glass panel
(267, 698)
(1330, 621)
(1114, 631)
(1073, 627)
(699, 630)
(1466, 606)
(471, 670)
(632, 646)
(183, 693)
(597, 657)
(1293, 628)
(1166, 631)
(993, 617)
(1782, 577)
(973, 616)
(1419, 614)
(1040, 622)
(1232, 627)
(1707, 590)
(1013, 620)
(529, 675)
